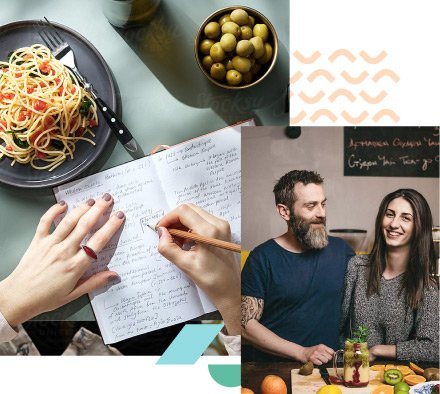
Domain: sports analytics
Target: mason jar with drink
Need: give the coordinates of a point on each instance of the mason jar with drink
(356, 364)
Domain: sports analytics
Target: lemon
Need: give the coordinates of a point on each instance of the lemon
(329, 389)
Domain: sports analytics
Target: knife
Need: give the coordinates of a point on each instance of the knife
(324, 374)
(119, 129)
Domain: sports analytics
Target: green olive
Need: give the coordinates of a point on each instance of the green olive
(228, 42)
(231, 27)
(246, 32)
(261, 30)
(255, 69)
(207, 62)
(228, 64)
(212, 30)
(240, 17)
(218, 71)
(268, 51)
(205, 46)
(217, 53)
(225, 18)
(242, 64)
(247, 77)
(244, 48)
(233, 77)
(251, 22)
(258, 45)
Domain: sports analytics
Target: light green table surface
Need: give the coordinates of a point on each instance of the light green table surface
(165, 98)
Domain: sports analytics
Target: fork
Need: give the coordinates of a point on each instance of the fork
(62, 51)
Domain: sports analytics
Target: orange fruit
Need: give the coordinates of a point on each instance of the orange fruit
(405, 370)
(378, 367)
(245, 390)
(383, 389)
(412, 380)
(389, 366)
(273, 384)
(379, 376)
(416, 369)
(377, 381)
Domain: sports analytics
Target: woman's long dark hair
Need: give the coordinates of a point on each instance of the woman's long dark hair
(422, 256)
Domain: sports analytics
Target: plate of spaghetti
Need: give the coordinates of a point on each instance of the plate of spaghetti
(50, 130)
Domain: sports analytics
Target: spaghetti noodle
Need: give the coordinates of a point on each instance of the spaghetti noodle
(44, 111)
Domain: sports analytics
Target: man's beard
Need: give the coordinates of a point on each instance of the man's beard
(309, 237)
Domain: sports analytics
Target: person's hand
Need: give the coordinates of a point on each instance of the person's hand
(372, 352)
(318, 355)
(383, 351)
(212, 269)
(48, 275)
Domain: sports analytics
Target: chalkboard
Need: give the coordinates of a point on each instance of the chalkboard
(391, 151)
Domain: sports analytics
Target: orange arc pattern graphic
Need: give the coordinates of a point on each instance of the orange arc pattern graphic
(342, 52)
(298, 118)
(354, 119)
(373, 60)
(355, 80)
(342, 92)
(307, 60)
(295, 77)
(311, 100)
(323, 112)
(386, 73)
(386, 112)
(345, 76)
(371, 99)
(321, 73)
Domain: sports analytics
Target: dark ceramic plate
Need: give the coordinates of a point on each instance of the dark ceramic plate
(93, 66)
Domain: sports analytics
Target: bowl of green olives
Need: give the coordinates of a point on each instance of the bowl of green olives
(236, 47)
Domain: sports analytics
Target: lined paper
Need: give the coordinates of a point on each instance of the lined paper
(152, 293)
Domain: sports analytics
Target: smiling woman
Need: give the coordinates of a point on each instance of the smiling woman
(398, 223)
(392, 291)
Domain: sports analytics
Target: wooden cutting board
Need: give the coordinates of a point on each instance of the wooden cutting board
(311, 384)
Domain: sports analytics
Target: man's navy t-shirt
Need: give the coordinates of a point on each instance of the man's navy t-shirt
(302, 292)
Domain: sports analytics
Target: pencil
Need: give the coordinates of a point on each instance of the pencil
(204, 240)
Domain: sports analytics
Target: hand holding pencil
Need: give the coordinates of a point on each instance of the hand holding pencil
(187, 235)
(211, 268)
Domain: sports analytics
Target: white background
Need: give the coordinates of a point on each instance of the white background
(136, 374)
(407, 30)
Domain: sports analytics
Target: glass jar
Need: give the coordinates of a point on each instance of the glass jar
(129, 13)
(356, 369)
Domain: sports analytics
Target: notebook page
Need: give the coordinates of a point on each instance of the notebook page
(152, 293)
(216, 181)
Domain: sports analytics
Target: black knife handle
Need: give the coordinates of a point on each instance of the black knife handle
(114, 122)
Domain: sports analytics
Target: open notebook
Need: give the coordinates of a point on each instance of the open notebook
(152, 292)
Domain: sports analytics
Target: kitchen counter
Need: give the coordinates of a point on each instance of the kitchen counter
(253, 373)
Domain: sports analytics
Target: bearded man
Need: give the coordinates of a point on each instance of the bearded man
(292, 285)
